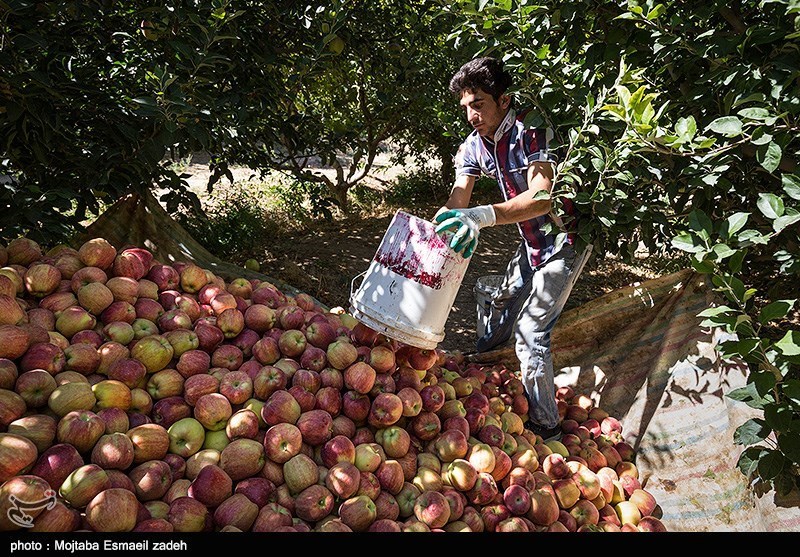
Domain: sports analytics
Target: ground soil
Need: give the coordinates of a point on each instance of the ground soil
(324, 258)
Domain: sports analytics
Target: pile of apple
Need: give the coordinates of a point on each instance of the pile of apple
(137, 395)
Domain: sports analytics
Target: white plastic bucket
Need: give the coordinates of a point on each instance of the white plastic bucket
(484, 290)
(411, 284)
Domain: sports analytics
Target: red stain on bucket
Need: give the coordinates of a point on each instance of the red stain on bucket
(417, 255)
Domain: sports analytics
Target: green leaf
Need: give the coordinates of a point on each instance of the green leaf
(751, 432)
(735, 223)
(770, 205)
(656, 12)
(746, 346)
(775, 310)
(789, 345)
(687, 242)
(704, 267)
(146, 101)
(769, 156)
(754, 113)
(785, 482)
(723, 251)
(771, 464)
(729, 126)
(749, 395)
(760, 136)
(782, 222)
(748, 460)
(764, 382)
(699, 221)
(735, 261)
(791, 389)
(686, 128)
(715, 311)
(754, 237)
(778, 417)
(791, 185)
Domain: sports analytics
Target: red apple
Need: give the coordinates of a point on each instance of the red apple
(242, 458)
(43, 355)
(154, 351)
(426, 425)
(390, 475)
(97, 252)
(32, 390)
(358, 513)
(170, 410)
(113, 451)
(292, 343)
(41, 279)
(484, 490)
(38, 428)
(432, 508)
(236, 386)
(280, 407)
(14, 341)
(271, 517)
(320, 334)
(316, 427)
(450, 445)
(151, 479)
(433, 398)
(227, 356)
(258, 489)
(343, 479)
(237, 510)
(81, 429)
(187, 514)
(59, 518)
(211, 486)
(341, 354)
(150, 442)
(53, 465)
(213, 411)
(386, 409)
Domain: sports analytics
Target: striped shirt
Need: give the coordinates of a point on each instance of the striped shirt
(516, 145)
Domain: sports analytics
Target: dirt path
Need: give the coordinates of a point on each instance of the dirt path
(324, 259)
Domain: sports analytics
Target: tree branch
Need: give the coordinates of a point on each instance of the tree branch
(733, 19)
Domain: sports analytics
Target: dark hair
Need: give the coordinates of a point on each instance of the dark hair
(485, 73)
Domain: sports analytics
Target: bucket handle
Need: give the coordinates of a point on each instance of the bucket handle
(352, 283)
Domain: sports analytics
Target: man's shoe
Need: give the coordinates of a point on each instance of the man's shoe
(546, 433)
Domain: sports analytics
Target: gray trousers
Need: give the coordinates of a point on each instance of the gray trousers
(528, 303)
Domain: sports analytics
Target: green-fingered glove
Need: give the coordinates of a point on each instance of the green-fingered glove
(465, 225)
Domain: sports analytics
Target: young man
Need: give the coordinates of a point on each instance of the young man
(541, 274)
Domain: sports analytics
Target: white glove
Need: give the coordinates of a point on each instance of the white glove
(466, 224)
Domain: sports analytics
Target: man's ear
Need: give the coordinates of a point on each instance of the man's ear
(505, 101)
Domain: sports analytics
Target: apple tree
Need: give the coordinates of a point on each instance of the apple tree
(371, 74)
(677, 127)
(95, 96)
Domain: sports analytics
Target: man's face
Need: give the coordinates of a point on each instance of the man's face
(483, 112)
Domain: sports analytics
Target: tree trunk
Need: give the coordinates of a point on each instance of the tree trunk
(447, 171)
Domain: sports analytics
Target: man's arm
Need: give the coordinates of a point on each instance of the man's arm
(524, 207)
(460, 194)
